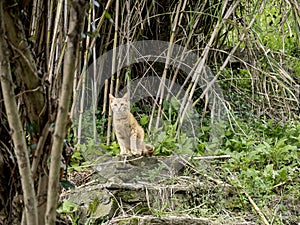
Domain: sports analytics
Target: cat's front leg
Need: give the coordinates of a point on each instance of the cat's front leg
(133, 145)
(124, 150)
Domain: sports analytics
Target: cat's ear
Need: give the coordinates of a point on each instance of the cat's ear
(111, 97)
(125, 97)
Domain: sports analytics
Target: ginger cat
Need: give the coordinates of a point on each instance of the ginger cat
(130, 134)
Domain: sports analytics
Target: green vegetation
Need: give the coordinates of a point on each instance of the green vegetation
(214, 83)
(258, 130)
(263, 167)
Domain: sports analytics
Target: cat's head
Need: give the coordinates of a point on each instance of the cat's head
(119, 105)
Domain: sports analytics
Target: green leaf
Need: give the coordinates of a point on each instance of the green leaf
(32, 38)
(144, 120)
(67, 207)
(77, 155)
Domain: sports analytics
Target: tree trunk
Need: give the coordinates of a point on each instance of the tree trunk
(20, 146)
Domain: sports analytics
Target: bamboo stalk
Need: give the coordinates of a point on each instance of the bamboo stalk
(49, 24)
(162, 86)
(109, 120)
(136, 24)
(101, 20)
(168, 59)
(43, 33)
(94, 84)
(54, 36)
(81, 106)
(186, 45)
(105, 103)
(75, 29)
(34, 18)
(83, 78)
(82, 82)
(113, 69)
(200, 65)
(106, 84)
(128, 32)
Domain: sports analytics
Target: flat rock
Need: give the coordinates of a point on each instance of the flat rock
(140, 170)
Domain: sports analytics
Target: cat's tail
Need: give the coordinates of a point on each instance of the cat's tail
(149, 150)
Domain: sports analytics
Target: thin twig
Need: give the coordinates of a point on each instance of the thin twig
(212, 157)
(257, 209)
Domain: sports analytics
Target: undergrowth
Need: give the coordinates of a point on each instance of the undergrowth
(264, 165)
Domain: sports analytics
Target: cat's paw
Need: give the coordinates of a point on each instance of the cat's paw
(136, 152)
